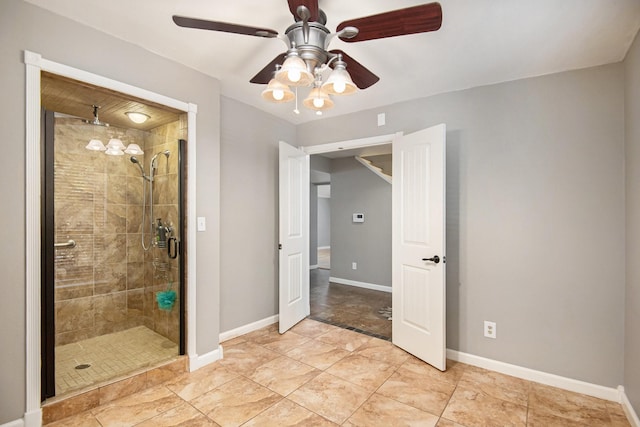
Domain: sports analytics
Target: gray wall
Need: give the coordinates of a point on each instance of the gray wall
(324, 222)
(249, 195)
(23, 26)
(535, 215)
(355, 189)
(632, 156)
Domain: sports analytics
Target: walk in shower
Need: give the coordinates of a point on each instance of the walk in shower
(113, 228)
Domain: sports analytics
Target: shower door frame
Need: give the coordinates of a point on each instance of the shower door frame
(34, 65)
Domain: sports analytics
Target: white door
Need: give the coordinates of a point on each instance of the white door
(294, 236)
(418, 238)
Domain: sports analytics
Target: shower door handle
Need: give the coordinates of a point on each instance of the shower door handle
(173, 243)
(69, 244)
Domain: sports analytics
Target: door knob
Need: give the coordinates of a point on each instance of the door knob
(435, 259)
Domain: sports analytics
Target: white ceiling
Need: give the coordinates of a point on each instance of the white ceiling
(481, 42)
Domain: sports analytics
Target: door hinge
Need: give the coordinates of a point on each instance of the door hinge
(279, 246)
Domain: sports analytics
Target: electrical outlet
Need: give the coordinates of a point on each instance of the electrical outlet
(354, 265)
(489, 329)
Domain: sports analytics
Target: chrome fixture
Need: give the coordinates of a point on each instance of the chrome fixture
(147, 198)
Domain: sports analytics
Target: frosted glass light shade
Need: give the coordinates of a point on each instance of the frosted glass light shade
(318, 100)
(277, 92)
(294, 72)
(95, 145)
(114, 152)
(115, 143)
(339, 82)
(133, 149)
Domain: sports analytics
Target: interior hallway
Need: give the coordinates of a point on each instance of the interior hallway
(321, 375)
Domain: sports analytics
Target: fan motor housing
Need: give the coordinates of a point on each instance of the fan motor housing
(313, 50)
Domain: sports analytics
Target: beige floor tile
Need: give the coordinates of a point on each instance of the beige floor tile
(331, 397)
(476, 409)
(540, 419)
(193, 384)
(245, 357)
(311, 328)
(137, 407)
(184, 415)
(383, 351)
(452, 375)
(362, 371)
(505, 387)
(617, 415)
(233, 341)
(422, 392)
(318, 354)
(85, 419)
(281, 343)
(545, 400)
(382, 411)
(286, 413)
(235, 402)
(283, 375)
(447, 423)
(344, 339)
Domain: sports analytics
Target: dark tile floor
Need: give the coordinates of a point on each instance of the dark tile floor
(348, 306)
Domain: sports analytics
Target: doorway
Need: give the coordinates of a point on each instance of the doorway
(113, 298)
(351, 287)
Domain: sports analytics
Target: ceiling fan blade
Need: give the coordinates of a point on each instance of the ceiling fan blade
(312, 5)
(203, 24)
(361, 76)
(411, 20)
(266, 74)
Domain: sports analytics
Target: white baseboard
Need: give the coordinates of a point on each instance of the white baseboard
(198, 361)
(16, 423)
(224, 336)
(313, 267)
(631, 414)
(360, 284)
(324, 247)
(602, 392)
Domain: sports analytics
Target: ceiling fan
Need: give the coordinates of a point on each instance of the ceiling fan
(307, 55)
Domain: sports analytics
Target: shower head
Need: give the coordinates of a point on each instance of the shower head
(135, 161)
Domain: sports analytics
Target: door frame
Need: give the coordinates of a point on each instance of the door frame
(34, 65)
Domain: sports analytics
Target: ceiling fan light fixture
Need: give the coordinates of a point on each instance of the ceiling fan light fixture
(339, 82)
(137, 117)
(277, 92)
(294, 71)
(318, 100)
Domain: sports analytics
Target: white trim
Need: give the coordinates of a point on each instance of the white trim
(350, 144)
(631, 414)
(32, 244)
(15, 423)
(233, 333)
(313, 267)
(198, 361)
(34, 64)
(595, 390)
(360, 284)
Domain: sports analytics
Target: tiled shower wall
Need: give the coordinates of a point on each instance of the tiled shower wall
(106, 283)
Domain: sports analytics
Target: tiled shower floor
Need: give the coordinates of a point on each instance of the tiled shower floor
(109, 356)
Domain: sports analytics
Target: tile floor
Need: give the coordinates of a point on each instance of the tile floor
(321, 375)
(348, 306)
(109, 356)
